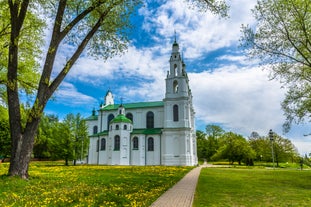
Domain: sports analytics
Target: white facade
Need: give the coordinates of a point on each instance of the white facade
(147, 133)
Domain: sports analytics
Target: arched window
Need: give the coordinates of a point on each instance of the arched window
(175, 112)
(135, 143)
(117, 127)
(175, 70)
(95, 130)
(117, 143)
(175, 86)
(150, 144)
(110, 117)
(103, 144)
(150, 120)
(129, 116)
(125, 127)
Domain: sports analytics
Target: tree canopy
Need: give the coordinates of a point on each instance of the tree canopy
(30, 42)
(282, 41)
(234, 147)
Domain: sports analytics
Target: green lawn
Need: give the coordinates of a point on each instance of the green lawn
(58, 185)
(253, 187)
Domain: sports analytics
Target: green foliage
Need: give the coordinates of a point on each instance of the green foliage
(66, 140)
(283, 149)
(201, 145)
(218, 7)
(30, 41)
(214, 131)
(63, 143)
(234, 147)
(55, 185)
(5, 139)
(69, 139)
(253, 187)
(262, 148)
(216, 145)
(282, 41)
(207, 143)
(46, 133)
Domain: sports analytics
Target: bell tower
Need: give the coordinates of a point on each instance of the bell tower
(177, 79)
(179, 129)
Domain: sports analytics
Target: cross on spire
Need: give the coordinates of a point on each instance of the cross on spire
(175, 34)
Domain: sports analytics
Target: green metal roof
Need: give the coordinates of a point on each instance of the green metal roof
(135, 131)
(134, 105)
(92, 118)
(105, 132)
(147, 131)
(120, 118)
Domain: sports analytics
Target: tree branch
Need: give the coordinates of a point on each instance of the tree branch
(78, 52)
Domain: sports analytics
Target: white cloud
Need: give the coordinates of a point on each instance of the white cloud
(67, 94)
(134, 63)
(242, 99)
(198, 32)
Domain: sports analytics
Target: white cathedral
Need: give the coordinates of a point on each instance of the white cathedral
(147, 133)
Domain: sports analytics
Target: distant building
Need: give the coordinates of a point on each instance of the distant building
(147, 133)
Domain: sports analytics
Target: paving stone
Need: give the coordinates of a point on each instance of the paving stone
(182, 193)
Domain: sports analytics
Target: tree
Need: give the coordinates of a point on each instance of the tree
(213, 133)
(262, 147)
(284, 150)
(234, 147)
(201, 144)
(78, 131)
(282, 41)
(207, 143)
(69, 139)
(63, 144)
(45, 136)
(104, 33)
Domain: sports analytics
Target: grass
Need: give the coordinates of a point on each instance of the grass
(58, 185)
(253, 187)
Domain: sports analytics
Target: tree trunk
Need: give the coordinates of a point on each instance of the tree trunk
(21, 155)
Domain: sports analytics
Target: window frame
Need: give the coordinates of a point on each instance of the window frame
(95, 129)
(116, 144)
(135, 142)
(150, 120)
(175, 113)
(150, 144)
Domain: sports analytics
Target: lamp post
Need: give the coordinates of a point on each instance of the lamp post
(271, 136)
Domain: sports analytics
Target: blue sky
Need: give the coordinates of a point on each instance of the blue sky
(228, 89)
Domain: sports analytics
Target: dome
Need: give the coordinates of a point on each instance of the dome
(120, 119)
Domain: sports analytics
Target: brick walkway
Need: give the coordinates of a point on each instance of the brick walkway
(182, 193)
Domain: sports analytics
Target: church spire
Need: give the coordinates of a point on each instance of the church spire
(175, 36)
